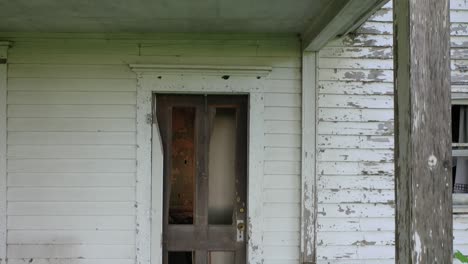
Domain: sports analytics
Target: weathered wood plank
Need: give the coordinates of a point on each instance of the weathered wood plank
(380, 155)
(356, 128)
(282, 154)
(357, 252)
(339, 224)
(71, 179)
(358, 53)
(356, 196)
(71, 138)
(363, 40)
(355, 63)
(355, 115)
(71, 251)
(363, 142)
(69, 151)
(103, 237)
(383, 238)
(355, 168)
(351, 210)
(278, 181)
(71, 71)
(89, 194)
(357, 88)
(423, 174)
(71, 222)
(375, 75)
(283, 140)
(71, 124)
(363, 183)
(355, 101)
(72, 98)
(71, 261)
(76, 209)
(71, 165)
(72, 111)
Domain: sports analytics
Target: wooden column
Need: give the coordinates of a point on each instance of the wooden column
(3, 149)
(423, 134)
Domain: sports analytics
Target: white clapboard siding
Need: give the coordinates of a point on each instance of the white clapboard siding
(72, 139)
(72, 261)
(355, 146)
(71, 179)
(57, 237)
(355, 140)
(278, 181)
(94, 208)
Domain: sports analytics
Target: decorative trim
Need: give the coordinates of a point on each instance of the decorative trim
(196, 79)
(308, 160)
(260, 71)
(3, 150)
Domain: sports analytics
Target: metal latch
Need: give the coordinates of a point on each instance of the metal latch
(240, 230)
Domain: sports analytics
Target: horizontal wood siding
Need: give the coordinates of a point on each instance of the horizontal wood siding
(71, 139)
(355, 146)
(355, 140)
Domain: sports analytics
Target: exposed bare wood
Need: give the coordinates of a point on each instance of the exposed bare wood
(423, 136)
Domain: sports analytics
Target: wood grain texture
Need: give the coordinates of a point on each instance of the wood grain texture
(423, 145)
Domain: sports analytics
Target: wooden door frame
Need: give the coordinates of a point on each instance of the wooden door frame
(194, 79)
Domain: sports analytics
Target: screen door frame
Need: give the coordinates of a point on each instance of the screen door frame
(194, 231)
(195, 79)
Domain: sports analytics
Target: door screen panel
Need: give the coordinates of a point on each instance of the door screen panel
(222, 167)
(222, 257)
(205, 171)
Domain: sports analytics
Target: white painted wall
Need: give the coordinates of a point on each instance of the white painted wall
(355, 140)
(71, 139)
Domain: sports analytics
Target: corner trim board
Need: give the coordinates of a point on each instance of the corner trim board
(3, 151)
(308, 159)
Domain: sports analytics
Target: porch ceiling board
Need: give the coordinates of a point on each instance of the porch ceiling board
(316, 20)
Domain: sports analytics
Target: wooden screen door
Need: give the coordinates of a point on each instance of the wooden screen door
(205, 169)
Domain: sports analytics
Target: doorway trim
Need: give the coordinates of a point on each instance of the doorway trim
(193, 79)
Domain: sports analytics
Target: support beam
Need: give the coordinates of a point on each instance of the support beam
(423, 133)
(308, 162)
(3, 148)
(338, 18)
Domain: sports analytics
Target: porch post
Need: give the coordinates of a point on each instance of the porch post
(308, 159)
(3, 148)
(423, 134)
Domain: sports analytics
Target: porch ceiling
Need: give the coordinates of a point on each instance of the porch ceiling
(159, 15)
(240, 16)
